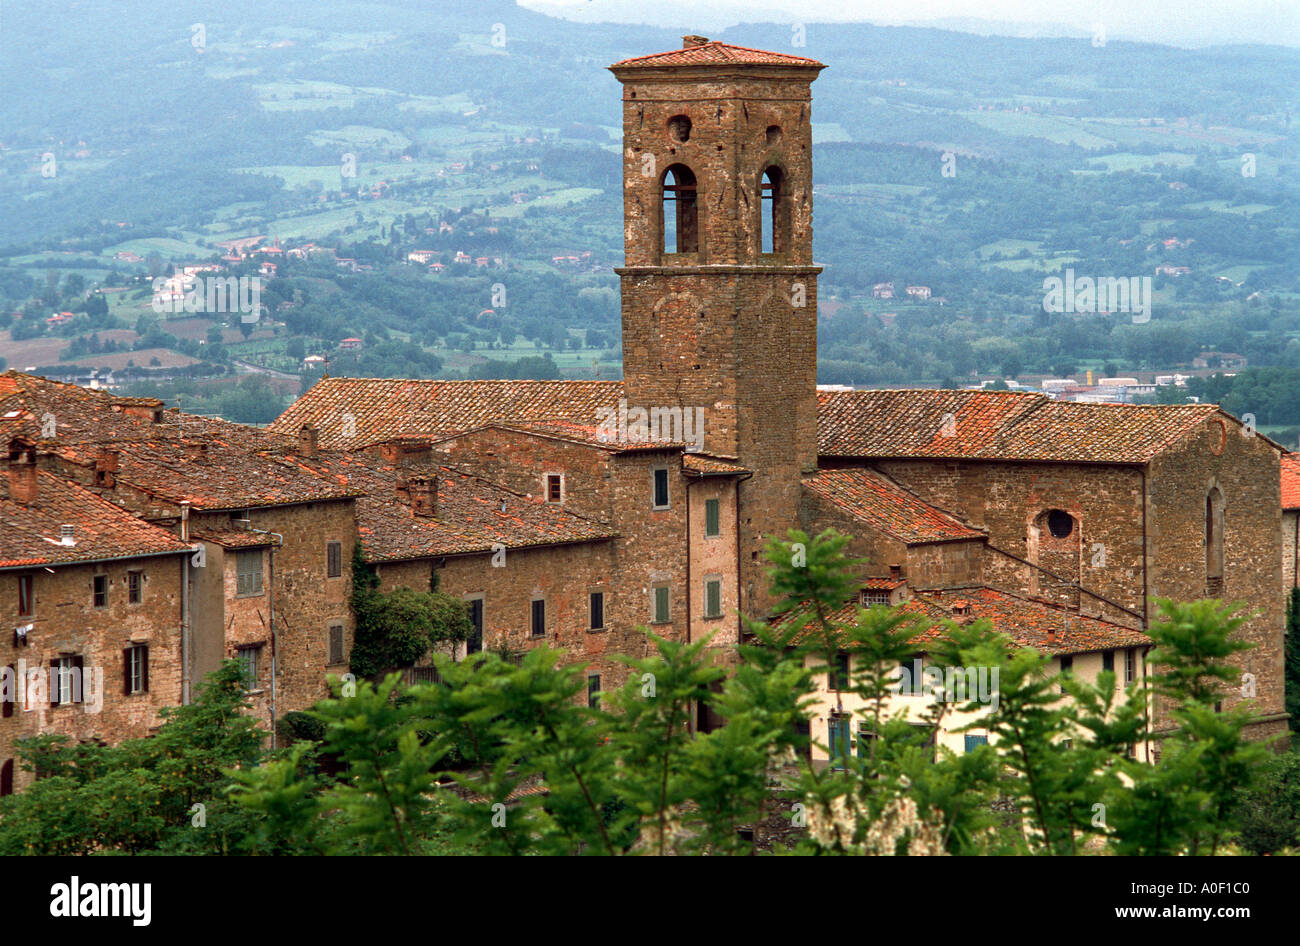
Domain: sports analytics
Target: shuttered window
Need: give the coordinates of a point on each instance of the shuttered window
(713, 598)
(712, 518)
(248, 572)
(135, 669)
(336, 643)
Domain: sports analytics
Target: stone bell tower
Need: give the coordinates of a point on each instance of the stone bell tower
(719, 290)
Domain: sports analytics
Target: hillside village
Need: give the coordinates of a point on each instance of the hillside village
(141, 545)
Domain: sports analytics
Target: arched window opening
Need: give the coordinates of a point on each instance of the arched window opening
(775, 223)
(680, 211)
(1214, 543)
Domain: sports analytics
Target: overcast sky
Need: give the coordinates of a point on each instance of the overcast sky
(1178, 22)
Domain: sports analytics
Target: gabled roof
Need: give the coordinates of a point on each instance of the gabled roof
(1028, 622)
(375, 410)
(472, 515)
(714, 53)
(587, 435)
(875, 499)
(992, 425)
(29, 534)
(1291, 481)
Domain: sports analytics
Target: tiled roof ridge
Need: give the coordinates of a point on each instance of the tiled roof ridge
(921, 499)
(715, 45)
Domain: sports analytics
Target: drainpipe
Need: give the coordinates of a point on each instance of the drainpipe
(185, 607)
(1146, 588)
(272, 621)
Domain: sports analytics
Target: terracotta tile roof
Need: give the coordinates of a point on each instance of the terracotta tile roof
(384, 409)
(1291, 481)
(472, 514)
(79, 414)
(210, 473)
(232, 538)
(994, 425)
(588, 434)
(882, 584)
(875, 499)
(703, 465)
(715, 53)
(29, 534)
(1041, 625)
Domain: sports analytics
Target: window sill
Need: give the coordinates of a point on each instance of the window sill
(597, 630)
(712, 617)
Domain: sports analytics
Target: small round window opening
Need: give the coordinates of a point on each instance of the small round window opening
(679, 128)
(1060, 524)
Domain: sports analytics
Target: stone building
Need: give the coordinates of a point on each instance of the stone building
(573, 513)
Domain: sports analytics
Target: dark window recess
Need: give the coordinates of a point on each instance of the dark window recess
(1108, 660)
(334, 555)
(135, 669)
(26, 601)
(837, 740)
(539, 618)
(7, 706)
(134, 587)
(1067, 666)
(712, 525)
(661, 489)
(1060, 524)
(100, 584)
(593, 690)
(597, 600)
(7, 777)
(336, 643)
(475, 642)
(554, 487)
(839, 675)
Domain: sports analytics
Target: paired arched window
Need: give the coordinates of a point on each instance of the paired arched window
(1214, 542)
(681, 218)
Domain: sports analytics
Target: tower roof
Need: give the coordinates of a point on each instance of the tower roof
(699, 51)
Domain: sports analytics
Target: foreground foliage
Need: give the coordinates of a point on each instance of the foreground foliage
(505, 757)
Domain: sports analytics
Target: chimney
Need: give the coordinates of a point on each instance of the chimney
(895, 572)
(693, 40)
(196, 449)
(106, 468)
(424, 495)
(22, 471)
(308, 437)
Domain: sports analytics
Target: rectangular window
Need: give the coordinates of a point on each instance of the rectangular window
(661, 604)
(593, 690)
(248, 572)
(869, 598)
(1130, 666)
(475, 642)
(336, 643)
(26, 601)
(1108, 660)
(66, 680)
(712, 518)
(597, 602)
(713, 598)
(135, 667)
(972, 741)
(134, 587)
(1067, 666)
(554, 487)
(539, 618)
(661, 489)
(334, 559)
(911, 678)
(101, 591)
(865, 738)
(838, 678)
(250, 659)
